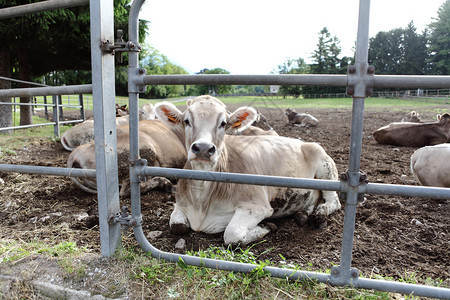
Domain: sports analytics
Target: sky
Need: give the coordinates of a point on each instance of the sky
(254, 37)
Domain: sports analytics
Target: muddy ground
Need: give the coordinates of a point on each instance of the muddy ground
(394, 236)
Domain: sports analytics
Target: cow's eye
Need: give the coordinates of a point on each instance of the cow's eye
(222, 125)
(187, 122)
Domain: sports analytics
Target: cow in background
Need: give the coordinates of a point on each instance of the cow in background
(84, 132)
(304, 120)
(259, 127)
(412, 117)
(431, 165)
(158, 144)
(414, 134)
(238, 209)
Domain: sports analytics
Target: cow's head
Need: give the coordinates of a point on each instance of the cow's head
(205, 123)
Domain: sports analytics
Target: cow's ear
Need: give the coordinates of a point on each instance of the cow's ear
(168, 113)
(241, 119)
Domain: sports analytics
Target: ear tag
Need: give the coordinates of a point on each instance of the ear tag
(168, 115)
(237, 124)
(241, 118)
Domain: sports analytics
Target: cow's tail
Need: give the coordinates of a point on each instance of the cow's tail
(65, 144)
(87, 185)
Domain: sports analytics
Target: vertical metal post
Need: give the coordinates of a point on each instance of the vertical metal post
(103, 92)
(353, 176)
(82, 114)
(133, 92)
(45, 107)
(55, 116)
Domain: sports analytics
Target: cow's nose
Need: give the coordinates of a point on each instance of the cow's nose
(203, 150)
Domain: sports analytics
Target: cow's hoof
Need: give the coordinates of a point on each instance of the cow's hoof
(179, 229)
(318, 221)
(300, 218)
(269, 225)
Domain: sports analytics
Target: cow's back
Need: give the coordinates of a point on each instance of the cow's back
(431, 165)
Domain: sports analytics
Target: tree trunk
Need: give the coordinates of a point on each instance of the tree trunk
(25, 74)
(5, 110)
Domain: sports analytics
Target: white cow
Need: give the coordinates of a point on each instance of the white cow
(430, 165)
(238, 209)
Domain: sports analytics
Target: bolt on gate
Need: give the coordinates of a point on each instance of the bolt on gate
(360, 80)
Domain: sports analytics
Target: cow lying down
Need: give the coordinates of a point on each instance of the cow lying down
(158, 144)
(84, 132)
(303, 120)
(431, 165)
(238, 209)
(409, 134)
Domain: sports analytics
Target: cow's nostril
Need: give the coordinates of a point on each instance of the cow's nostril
(195, 148)
(212, 150)
(76, 165)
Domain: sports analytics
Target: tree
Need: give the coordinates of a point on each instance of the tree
(211, 89)
(399, 51)
(414, 51)
(326, 61)
(156, 63)
(51, 41)
(440, 41)
(293, 66)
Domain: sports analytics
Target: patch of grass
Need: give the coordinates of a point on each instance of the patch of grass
(13, 250)
(182, 281)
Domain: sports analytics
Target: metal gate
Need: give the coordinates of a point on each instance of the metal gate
(359, 81)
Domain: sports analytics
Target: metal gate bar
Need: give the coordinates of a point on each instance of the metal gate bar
(21, 10)
(380, 81)
(47, 91)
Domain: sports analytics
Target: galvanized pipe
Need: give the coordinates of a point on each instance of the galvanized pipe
(381, 81)
(46, 91)
(362, 44)
(317, 184)
(72, 172)
(21, 10)
(412, 81)
(214, 79)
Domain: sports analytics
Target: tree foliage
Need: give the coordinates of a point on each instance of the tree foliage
(156, 63)
(293, 66)
(399, 51)
(211, 89)
(440, 41)
(57, 40)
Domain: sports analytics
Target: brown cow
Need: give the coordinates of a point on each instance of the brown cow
(408, 134)
(305, 120)
(238, 209)
(431, 165)
(158, 144)
(84, 132)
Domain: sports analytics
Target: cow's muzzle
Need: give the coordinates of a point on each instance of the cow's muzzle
(203, 150)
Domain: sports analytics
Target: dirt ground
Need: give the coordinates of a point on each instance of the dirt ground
(394, 236)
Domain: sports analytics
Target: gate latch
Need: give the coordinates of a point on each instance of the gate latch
(119, 46)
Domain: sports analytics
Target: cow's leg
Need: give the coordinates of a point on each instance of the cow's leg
(243, 227)
(327, 170)
(179, 224)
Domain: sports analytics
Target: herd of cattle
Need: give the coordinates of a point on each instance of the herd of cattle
(206, 136)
